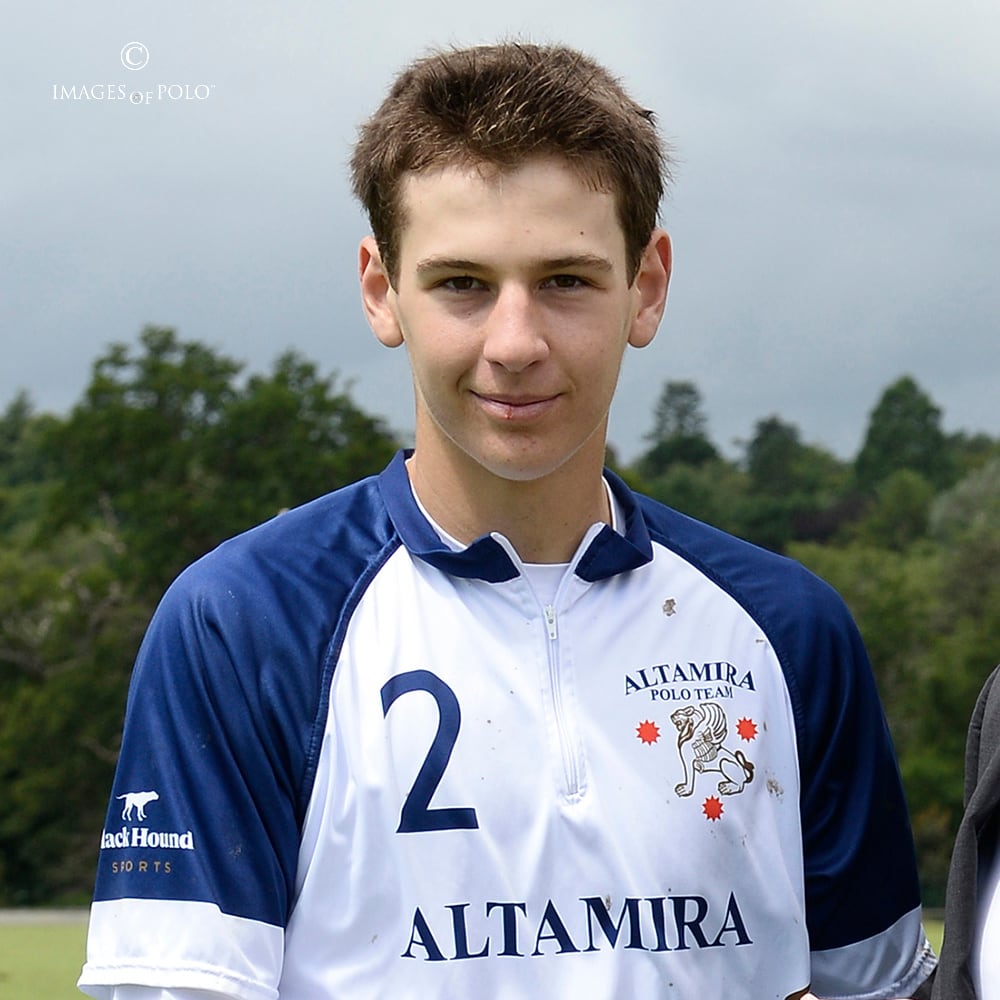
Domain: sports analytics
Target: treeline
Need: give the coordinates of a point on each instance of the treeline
(173, 448)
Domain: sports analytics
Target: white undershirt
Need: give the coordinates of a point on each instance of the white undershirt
(986, 953)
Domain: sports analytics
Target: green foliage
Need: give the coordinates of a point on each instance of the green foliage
(899, 516)
(68, 632)
(289, 437)
(679, 435)
(679, 412)
(927, 603)
(174, 454)
(784, 490)
(24, 470)
(972, 451)
(971, 509)
(166, 454)
(904, 432)
(712, 492)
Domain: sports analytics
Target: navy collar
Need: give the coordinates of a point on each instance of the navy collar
(486, 559)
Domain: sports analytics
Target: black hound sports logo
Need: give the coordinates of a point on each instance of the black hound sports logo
(137, 801)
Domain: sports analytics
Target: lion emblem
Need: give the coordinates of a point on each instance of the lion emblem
(137, 801)
(701, 735)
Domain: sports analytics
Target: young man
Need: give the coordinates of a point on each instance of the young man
(491, 724)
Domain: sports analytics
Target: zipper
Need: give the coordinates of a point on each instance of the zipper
(571, 768)
(568, 747)
(550, 622)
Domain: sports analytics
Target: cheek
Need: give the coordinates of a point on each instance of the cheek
(437, 373)
(443, 351)
(603, 357)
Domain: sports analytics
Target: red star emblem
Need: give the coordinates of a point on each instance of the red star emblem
(648, 732)
(712, 807)
(747, 729)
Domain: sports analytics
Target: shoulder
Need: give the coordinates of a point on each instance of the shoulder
(241, 642)
(779, 592)
(261, 611)
(805, 620)
(320, 548)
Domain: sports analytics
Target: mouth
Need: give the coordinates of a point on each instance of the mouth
(516, 408)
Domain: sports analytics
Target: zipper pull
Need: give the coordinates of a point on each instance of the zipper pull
(550, 621)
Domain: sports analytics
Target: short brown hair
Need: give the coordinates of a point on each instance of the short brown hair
(499, 105)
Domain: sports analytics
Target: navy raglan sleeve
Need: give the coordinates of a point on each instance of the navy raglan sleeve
(198, 853)
(862, 892)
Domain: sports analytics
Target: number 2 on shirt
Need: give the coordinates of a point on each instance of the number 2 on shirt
(416, 815)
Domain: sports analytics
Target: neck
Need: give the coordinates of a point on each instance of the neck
(545, 519)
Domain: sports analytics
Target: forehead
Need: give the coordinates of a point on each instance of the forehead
(544, 202)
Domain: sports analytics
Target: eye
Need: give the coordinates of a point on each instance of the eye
(461, 283)
(564, 281)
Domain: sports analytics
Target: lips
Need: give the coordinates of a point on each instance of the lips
(516, 408)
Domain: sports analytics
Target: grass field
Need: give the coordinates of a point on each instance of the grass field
(41, 956)
(40, 959)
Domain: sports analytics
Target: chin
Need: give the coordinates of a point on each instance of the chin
(523, 468)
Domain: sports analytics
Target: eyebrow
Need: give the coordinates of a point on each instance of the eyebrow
(588, 261)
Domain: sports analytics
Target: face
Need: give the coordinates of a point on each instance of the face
(513, 300)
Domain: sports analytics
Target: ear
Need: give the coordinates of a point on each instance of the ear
(651, 283)
(377, 294)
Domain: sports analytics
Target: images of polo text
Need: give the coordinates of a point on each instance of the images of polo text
(134, 57)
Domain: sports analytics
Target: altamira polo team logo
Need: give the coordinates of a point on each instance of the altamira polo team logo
(705, 749)
(702, 736)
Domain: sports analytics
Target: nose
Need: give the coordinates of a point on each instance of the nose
(514, 334)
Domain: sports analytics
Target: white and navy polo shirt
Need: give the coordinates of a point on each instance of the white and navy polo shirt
(358, 763)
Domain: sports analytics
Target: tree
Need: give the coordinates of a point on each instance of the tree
(133, 452)
(679, 412)
(290, 436)
(175, 454)
(68, 634)
(971, 506)
(904, 432)
(795, 489)
(166, 454)
(24, 470)
(772, 456)
(714, 492)
(965, 521)
(972, 451)
(13, 427)
(679, 434)
(899, 516)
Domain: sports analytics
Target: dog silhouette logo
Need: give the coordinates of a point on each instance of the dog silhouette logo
(136, 801)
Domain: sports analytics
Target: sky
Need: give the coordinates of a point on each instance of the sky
(834, 211)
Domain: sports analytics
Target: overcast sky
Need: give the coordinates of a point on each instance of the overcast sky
(835, 213)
